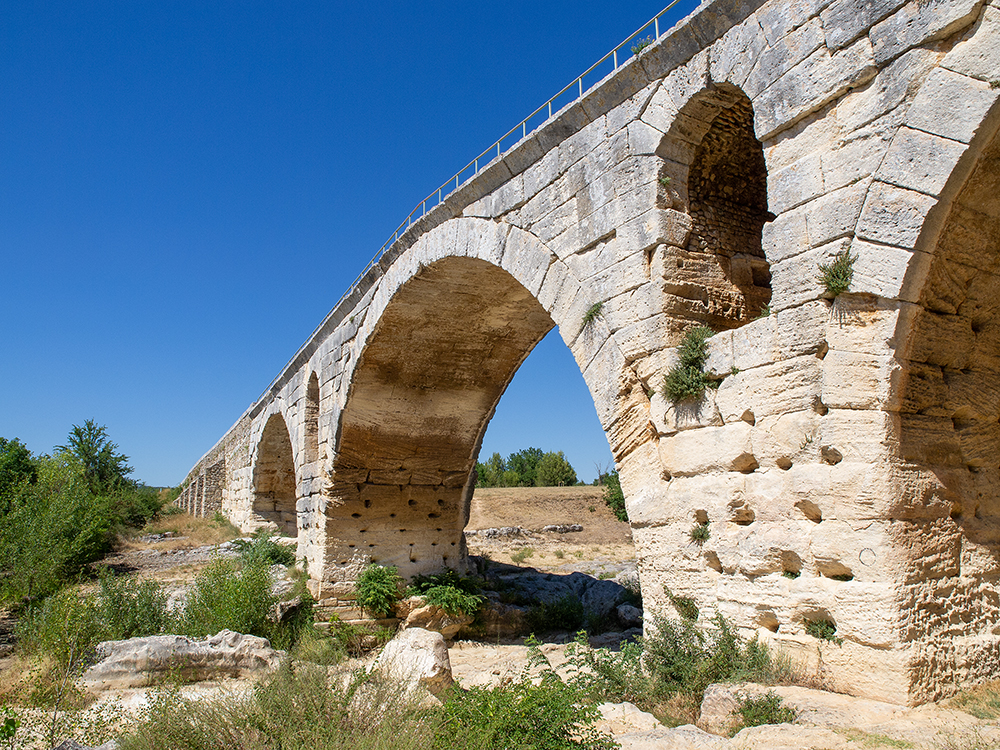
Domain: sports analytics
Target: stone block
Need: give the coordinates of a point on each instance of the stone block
(754, 344)
(917, 24)
(802, 329)
(790, 385)
(835, 214)
(846, 20)
(979, 55)
(783, 440)
(861, 323)
(810, 85)
(858, 157)
(893, 215)
(643, 139)
(786, 236)
(951, 105)
(795, 281)
(784, 54)
(853, 380)
(778, 19)
(883, 269)
(795, 184)
(669, 417)
(735, 54)
(920, 161)
(708, 449)
(526, 260)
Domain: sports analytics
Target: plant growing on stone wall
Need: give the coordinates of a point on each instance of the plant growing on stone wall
(824, 630)
(837, 275)
(765, 709)
(687, 379)
(378, 588)
(592, 314)
(641, 44)
(699, 533)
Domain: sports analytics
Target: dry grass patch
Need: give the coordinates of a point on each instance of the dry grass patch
(188, 532)
(982, 701)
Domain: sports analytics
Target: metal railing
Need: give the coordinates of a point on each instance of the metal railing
(453, 183)
(494, 152)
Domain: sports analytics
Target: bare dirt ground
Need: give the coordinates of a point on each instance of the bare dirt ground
(604, 546)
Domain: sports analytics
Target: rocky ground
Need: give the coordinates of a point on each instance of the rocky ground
(588, 547)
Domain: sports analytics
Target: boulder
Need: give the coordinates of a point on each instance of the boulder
(629, 615)
(138, 662)
(417, 657)
(434, 618)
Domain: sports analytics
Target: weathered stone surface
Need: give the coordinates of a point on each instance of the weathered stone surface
(850, 443)
(417, 658)
(434, 618)
(143, 661)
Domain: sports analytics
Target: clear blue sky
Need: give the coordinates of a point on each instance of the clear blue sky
(186, 188)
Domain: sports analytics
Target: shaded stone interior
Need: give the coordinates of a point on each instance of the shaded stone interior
(950, 427)
(274, 478)
(721, 278)
(424, 389)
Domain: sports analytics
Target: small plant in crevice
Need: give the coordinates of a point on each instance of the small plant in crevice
(592, 314)
(765, 709)
(765, 312)
(995, 84)
(665, 181)
(837, 275)
(641, 44)
(684, 605)
(687, 379)
(824, 630)
(699, 533)
(792, 574)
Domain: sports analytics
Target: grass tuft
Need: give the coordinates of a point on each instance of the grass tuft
(836, 276)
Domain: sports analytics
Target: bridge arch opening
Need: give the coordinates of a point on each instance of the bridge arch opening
(274, 484)
(422, 393)
(714, 170)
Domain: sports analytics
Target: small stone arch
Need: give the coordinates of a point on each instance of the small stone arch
(713, 169)
(274, 479)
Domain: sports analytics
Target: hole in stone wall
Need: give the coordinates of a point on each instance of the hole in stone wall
(784, 463)
(701, 517)
(834, 569)
(810, 510)
(791, 564)
(831, 455)
(712, 561)
(768, 620)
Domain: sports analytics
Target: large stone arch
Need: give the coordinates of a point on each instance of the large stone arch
(947, 507)
(274, 483)
(441, 342)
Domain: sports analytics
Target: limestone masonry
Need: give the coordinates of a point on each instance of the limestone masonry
(848, 466)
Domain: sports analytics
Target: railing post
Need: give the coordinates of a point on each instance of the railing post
(656, 26)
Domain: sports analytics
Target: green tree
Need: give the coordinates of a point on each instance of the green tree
(17, 467)
(614, 496)
(554, 470)
(525, 465)
(103, 466)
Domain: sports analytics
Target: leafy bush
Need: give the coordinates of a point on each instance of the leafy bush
(766, 709)
(66, 626)
(565, 613)
(378, 588)
(824, 630)
(455, 594)
(836, 276)
(131, 607)
(555, 471)
(613, 495)
(519, 714)
(297, 707)
(264, 547)
(687, 380)
(521, 555)
(684, 605)
(229, 595)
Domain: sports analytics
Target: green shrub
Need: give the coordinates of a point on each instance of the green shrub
(455, 594)
(766, 709)
(687, 379)
(296, 708)
(519, 714)
(603, 675)
(684, 605)
(836, 276)
(230, 595)
(378, 588)
(592, 314)
(521, 555)
(613, 495)
(132, 607)
(66, 627)
(565, 613)
(264, 547)
(824, 630)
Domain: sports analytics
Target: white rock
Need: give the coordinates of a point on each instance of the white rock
(418, 658)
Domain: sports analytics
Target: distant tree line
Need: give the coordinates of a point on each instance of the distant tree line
(530, 467)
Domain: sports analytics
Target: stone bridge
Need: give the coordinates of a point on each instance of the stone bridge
(847, 465)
